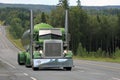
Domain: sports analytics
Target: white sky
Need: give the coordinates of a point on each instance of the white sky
(72, 2)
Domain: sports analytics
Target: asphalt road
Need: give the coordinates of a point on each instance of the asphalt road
(83, 70)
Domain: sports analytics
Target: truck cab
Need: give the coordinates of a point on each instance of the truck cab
(53, 52)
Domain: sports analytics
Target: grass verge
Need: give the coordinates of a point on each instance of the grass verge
(116, 60)
(16, 42)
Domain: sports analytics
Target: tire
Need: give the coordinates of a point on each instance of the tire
(19, 60)
(27, 65)
(35, 68)
(68, 68)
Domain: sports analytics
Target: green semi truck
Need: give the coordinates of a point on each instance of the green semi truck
(45, 47)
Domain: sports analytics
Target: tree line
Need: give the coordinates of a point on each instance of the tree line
(91, 34)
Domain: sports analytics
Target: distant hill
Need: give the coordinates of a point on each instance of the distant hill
(48, 8)
(102, 10)
(101, 7)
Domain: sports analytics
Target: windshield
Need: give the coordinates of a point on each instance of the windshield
(50, 36)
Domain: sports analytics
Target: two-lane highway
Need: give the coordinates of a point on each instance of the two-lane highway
(83, 70)
(8, 70)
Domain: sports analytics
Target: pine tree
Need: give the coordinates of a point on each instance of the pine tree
(43, 18)
(64, 4)
(79, 3)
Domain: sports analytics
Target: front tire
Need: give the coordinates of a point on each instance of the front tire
(35, 68)
(27, 65)
(68, 68)
(19, 60)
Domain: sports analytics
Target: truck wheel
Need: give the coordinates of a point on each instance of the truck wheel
(19, 60)
(68, 68)
(35, 68)
(27, 65)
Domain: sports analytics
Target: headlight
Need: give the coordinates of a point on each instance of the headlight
(65, 51)
(41, 51)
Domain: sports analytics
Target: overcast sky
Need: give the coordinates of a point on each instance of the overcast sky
(72, 2)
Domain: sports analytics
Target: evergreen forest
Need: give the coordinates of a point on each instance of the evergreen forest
(93, 32)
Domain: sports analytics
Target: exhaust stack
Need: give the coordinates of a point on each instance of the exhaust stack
(66, 28)
(31, 34)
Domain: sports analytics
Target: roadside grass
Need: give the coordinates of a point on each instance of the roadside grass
(16, 42)
(115, 60)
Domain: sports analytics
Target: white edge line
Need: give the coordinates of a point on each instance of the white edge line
(115, 78)
(102, 66)
(8, 63)
(25, 74)
(33, 78)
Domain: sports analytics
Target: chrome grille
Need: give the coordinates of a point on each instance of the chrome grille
(53, 48)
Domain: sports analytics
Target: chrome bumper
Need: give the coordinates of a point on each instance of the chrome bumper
(52, 62)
